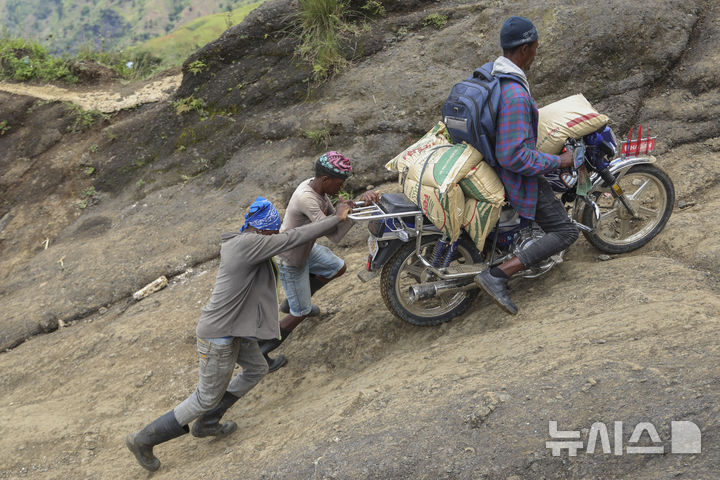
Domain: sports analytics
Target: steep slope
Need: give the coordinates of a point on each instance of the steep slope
(632, 339)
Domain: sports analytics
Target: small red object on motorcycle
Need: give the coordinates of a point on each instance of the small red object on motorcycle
(638, 146)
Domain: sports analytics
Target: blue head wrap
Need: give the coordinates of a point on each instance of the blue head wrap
(262, 215)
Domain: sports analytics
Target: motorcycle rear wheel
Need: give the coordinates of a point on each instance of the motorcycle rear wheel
(404, 270)
(650, 192)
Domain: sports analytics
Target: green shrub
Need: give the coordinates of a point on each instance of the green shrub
(4, 127)
(190, 104)
(198, 66)
(435, 20)
(320, 136)
(83, 119)
(25, 60)
(321, 27)
(374, 8)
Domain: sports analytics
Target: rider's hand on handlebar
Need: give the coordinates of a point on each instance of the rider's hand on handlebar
(566, 159)
(343, 209)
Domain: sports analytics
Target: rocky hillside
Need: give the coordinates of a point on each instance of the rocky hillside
(88, 216)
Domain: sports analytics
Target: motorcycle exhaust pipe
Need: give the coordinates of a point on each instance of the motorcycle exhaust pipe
(424, 291)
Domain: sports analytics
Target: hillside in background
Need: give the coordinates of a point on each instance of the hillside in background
(68, 25)
(177, 45)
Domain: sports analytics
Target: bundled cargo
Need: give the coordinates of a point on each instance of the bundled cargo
(445, 211)
(571, 117)
(479, 219)
(437, 176)
(438, 135)
(482, 183)
(444, 166)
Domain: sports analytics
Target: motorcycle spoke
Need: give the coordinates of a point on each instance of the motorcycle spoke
(648, 212)
(609, 215)
(639, 190)
(624, 228)
(414, 271)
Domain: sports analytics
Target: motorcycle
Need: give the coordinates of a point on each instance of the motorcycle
(617, 197)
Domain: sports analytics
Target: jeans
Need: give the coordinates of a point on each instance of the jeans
(559, 230)
(296, 280)
(217, 362)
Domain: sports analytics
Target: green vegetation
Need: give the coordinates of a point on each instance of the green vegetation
(88, 197)
(83, 119)
(121, 23)
(198, 66)
(323, 26)
(435, 20)
(374, 8)
(26, 60)
(320, 136)
(179, 44)
(4, 127)
(190, 104)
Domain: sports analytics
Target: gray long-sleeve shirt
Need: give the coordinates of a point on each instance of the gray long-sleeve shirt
(244, 300)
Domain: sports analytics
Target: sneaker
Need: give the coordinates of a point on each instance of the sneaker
(497, 288)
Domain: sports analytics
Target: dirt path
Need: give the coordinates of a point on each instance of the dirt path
(103, 98)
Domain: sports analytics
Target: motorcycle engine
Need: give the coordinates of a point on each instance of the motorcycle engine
(526, 237)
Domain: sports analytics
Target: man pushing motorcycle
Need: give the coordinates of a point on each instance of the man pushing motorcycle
(520, 166)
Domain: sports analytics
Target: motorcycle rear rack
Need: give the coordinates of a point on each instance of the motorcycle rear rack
(363, 212)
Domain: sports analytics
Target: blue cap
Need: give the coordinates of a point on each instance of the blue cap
(517, 31)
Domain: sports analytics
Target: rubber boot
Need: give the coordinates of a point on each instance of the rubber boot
(159, 431)
(275, 363)
(267, 346)
(208, 425)
(315, 285)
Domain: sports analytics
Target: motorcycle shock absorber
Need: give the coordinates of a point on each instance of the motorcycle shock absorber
(438, 255)
(616, 190)
(450, 253)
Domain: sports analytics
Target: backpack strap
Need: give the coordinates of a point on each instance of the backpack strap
(484, 72)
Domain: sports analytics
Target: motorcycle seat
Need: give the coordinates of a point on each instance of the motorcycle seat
(397, 203)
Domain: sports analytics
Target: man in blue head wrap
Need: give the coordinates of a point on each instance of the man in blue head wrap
(262, 215)
(243, 309)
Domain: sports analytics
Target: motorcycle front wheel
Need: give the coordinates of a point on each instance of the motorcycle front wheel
(404, 270)
(650, 193)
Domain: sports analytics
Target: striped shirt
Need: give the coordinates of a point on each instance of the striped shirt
(518, 162)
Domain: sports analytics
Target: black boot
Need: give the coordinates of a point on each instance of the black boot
(315, 285)
(275, 363)
(209, 423)
(267, 346)
(160, 430)
(497, 288)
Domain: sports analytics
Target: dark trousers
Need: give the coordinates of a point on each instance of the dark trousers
(559, 230)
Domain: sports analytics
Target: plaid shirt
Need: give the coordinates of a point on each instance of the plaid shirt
(518, 162)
